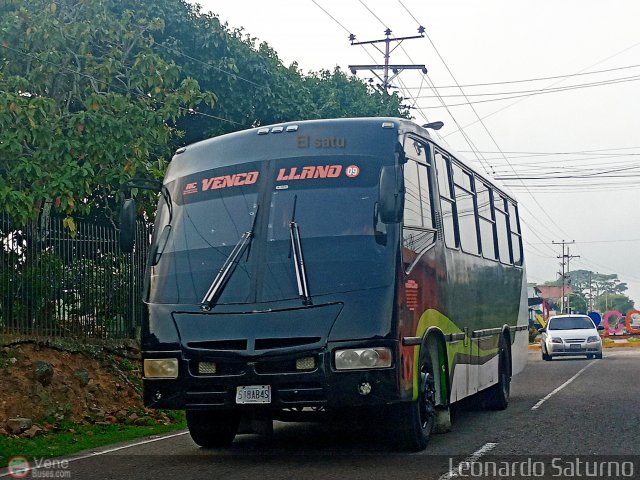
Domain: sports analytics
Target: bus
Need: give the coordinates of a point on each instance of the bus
(309, 268)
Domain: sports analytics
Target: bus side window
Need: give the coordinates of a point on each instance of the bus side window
(486, 221)
(419, 151)
(516, 235)
(502, 228)
(416, 233)
(465, 207)
(446, 199)
(412, 202)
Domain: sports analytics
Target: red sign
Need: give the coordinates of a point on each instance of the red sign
(411, 292)
(225, 181)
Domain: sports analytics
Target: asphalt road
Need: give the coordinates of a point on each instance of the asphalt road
(564, 416)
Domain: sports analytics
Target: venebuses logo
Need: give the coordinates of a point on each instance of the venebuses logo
(19, 467)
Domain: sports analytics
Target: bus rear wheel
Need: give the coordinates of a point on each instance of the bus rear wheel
(497, 396)
(415, 420)
(212, 429)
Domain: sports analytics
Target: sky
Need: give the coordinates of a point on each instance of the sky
(570, 70)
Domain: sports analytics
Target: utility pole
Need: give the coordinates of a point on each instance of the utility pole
(395, 69)
(569, 257)
(590, 292)
(563, 274)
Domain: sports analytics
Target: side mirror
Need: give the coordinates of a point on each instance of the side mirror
(600, 327)
(128, 225)
(540, 330)
(390, 194)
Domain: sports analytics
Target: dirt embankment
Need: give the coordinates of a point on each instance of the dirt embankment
(51, 383)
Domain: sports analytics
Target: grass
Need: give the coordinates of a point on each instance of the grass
(633, 339)
(83, 437)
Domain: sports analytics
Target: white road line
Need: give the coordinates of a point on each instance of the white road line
(474, 457)
(109, 450)
(537, 405)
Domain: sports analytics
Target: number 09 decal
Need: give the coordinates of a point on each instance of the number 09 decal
(352, 171)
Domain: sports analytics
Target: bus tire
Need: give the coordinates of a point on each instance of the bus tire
(497, 396)
(414, 421)
(212, 429)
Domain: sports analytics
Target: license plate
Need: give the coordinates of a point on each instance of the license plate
(253, 394)
(575, 346)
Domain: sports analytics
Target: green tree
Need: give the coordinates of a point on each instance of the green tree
(578, 303)
(618, 302)
(252, 84)
(85, 104)
(93, 93)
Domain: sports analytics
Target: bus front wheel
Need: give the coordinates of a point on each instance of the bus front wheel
(414, 421)
(212, 429)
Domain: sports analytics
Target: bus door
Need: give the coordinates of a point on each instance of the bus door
(420, 263)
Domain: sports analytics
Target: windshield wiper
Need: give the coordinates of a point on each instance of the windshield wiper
(228, 267)
(298, 258)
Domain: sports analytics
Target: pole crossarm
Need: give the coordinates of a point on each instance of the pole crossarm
(385, 78)
(355, 68)
(396, 69)
(382, 40)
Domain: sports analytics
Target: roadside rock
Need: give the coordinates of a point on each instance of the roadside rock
(82, 375)
(44, 372)
(18, 425)
(32, 432)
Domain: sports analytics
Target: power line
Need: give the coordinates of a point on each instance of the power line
(578, 152)
(116, 88)
(552, 84)
(510, 82)
(539, 91)
(480, 120)
(208, 65)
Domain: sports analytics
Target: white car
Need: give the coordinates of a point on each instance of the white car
(570, 335)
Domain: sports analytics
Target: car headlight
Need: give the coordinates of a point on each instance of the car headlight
(556, 340)
(359, 358)
(160, 368)
(593, 339)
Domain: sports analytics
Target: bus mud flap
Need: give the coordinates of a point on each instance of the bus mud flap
(443, 420)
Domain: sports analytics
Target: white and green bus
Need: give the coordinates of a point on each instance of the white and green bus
(319, 266)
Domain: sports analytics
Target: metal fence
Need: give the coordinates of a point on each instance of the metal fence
(56, 284)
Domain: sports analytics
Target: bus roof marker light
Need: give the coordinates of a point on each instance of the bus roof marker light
(434, 125)
(277, 130)
(181, 150)
(263, 131)
(292, 128)
(388, 125)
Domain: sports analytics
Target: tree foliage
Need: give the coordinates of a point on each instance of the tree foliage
(618, 302)
(86, 104)
(606, 291)
(93, 93)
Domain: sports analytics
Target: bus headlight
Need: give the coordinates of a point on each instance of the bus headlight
(160, 368)
(359, 358)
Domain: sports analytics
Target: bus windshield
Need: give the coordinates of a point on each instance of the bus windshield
(332, 202)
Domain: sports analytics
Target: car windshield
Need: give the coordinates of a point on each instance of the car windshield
(570, 323)
(332, 201)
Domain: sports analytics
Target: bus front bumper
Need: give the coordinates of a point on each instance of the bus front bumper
(319, 385)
